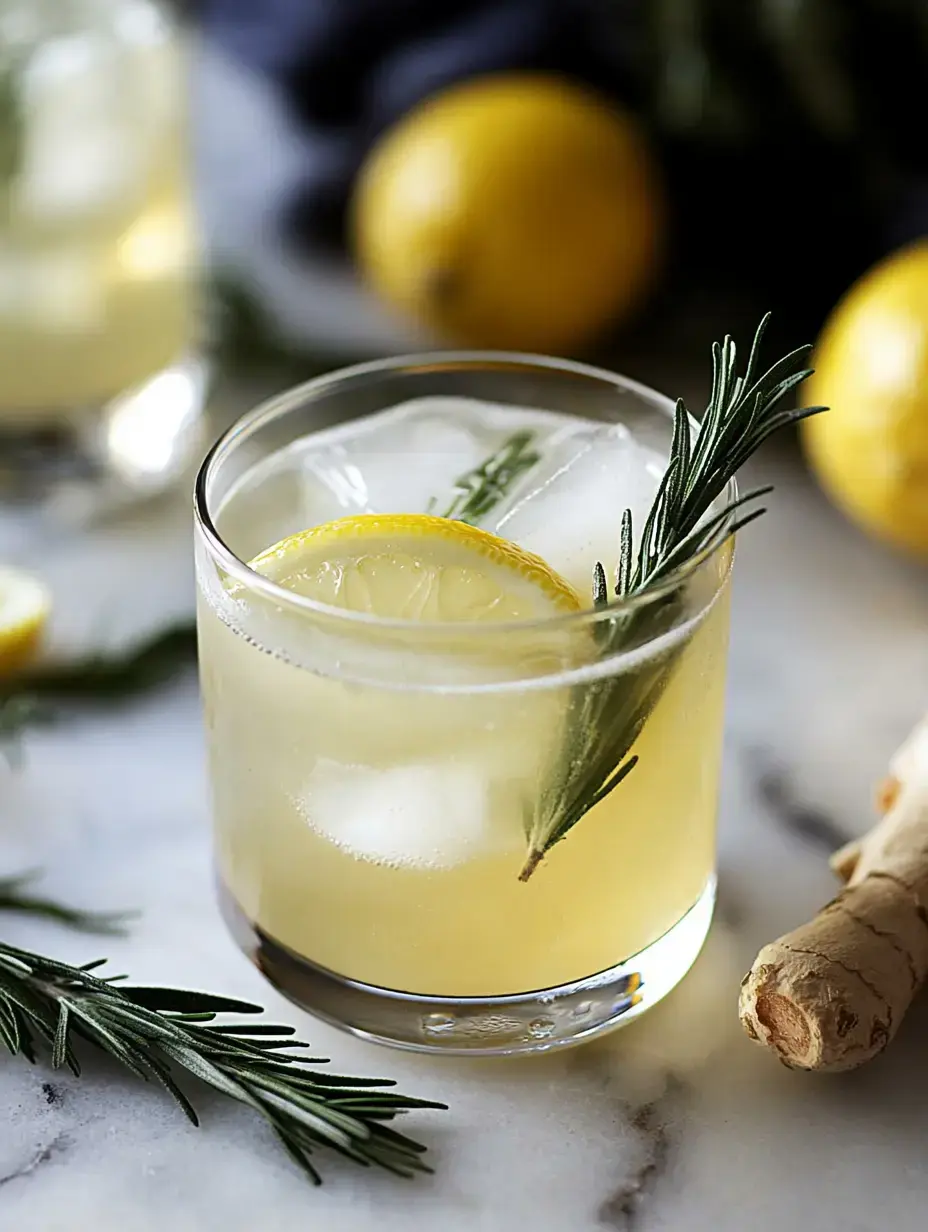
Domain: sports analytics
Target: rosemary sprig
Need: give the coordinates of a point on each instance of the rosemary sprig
(155, 1031)
(109, 675)
(26, 699)
(479, 490)
(607, 716)
(15, 896)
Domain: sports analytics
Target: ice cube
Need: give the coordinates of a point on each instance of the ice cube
(407, 459)
(84, 152)
(433, 815)
(572, 512)
(398, 460)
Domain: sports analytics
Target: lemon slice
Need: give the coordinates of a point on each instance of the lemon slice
(24, 608)
(413, 566)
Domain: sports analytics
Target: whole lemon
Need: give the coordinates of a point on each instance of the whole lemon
(870, 450)
(511, 211)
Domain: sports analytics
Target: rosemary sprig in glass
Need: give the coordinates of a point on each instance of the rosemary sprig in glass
(155, 1031)
(480, 490)
(607, 716)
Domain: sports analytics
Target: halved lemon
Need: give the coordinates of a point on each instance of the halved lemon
(24, 607)
(413, 566)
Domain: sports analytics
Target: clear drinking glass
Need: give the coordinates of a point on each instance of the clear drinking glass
(98, 376)
(430, 741)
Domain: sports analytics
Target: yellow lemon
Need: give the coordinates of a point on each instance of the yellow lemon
(417, 567)
(516, 211)
(24, 608)
(870, 450)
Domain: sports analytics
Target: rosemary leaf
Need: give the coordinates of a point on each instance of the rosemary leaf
(600, 589)
(478, 491)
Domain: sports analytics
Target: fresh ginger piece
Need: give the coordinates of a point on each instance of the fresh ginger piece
(831, 994)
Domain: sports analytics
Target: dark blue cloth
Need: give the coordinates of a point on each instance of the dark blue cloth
(350, 68)
(364, 62)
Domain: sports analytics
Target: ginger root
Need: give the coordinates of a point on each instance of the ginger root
(831, 994)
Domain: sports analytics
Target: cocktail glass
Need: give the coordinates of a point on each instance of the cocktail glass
(373, 780)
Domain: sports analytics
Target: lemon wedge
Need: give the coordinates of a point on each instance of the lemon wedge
(24, 607)
(417, 567)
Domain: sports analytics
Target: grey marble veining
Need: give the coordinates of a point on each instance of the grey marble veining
(675, 1123)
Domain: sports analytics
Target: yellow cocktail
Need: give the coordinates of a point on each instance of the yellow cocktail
(398, 705)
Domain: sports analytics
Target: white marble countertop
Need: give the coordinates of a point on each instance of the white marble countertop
(677, 1122)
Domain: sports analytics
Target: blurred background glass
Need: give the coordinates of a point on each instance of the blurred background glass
(97, 311)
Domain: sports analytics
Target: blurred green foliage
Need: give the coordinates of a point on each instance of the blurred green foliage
(791, 134)
(842, 72)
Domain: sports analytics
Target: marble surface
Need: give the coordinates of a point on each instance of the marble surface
(677, 1122)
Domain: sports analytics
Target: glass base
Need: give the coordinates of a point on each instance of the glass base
(485, 1026)
(138, 443)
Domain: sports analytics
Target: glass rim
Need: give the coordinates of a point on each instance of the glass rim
(278, 405)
